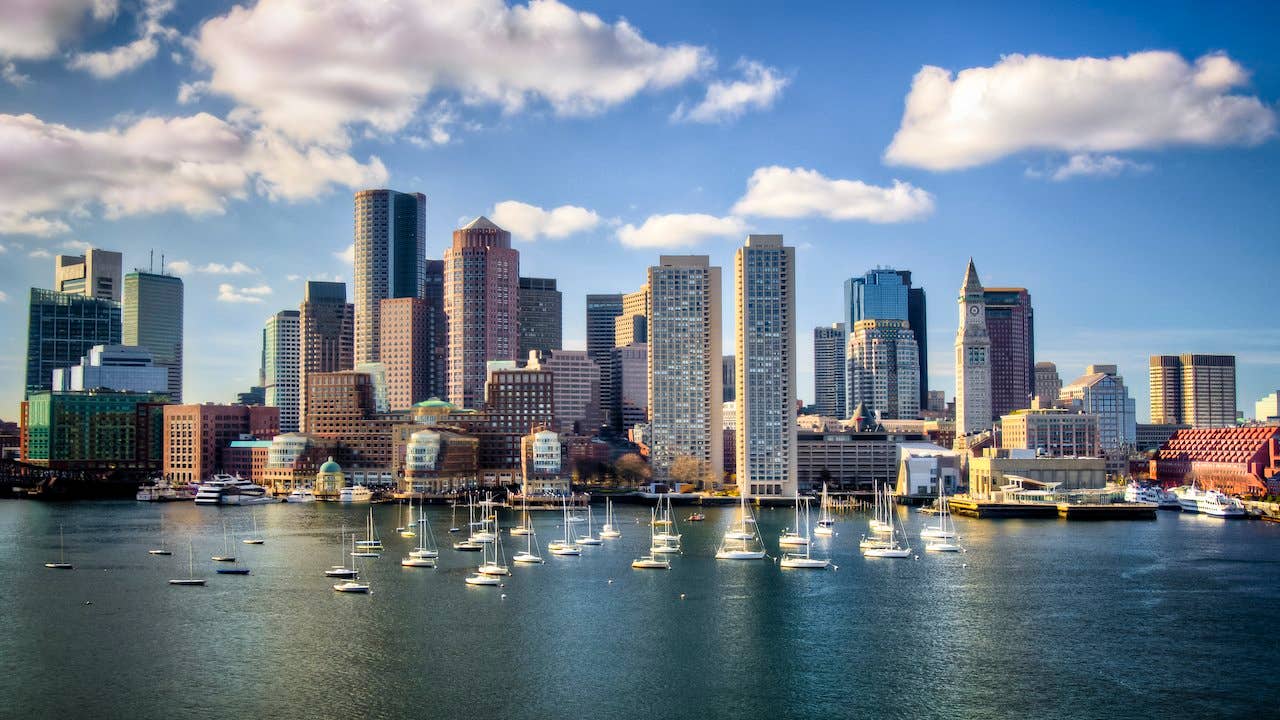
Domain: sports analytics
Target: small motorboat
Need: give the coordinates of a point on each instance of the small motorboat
(696, 517)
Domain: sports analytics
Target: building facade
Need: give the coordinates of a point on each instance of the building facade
(996, 468)
(1048, 382)
(602, 311)
(390, 255)
(1051, 432)
(61, 329)
(96, 274)
(1101, 391)
(1193, 389)
(1268, 408)
(1011, 328)
(481, 286)
(1235, 460)
(887, 294)
(281, 366)
(94, 430)
(630, 365)
(849, 460)
(829, 369)
(196, 435)
(539, 316)
(326, 335)
(153, 319)
(973, 359)
(633, 324)
(113, 367)
(882, 371)
(576, 379)
(408, 350)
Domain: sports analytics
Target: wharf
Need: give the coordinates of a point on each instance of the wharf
(984, 509)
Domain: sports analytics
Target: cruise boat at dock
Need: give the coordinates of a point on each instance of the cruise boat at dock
(1165, 500)
(231, 490)
(1209, 502)
(163, 491)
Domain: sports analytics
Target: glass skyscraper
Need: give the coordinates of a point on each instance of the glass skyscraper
(390, 254)
(153, 320)
(886, 294)
(61, 329)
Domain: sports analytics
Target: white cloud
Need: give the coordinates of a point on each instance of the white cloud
(189, 92)
(4, 297)
(758, 90)
(79, 246)
(1086, 165)
(122, 59)
(180, 267)
(312, 68)
(9, 73)
(229, 293)
(184, 267)
(530, 222)
(35, 29)
(677, 230)
(39, 253)
(192, 164)
(1083, 105)
(780, 192)
(347, 254)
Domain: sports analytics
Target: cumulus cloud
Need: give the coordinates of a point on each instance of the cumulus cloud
(9, 73)
(1082, 105)
(229, 293)
(191, 164)
(678, 230)
(39, 253)
(184, 267)
(530, 222)
(36, 29)
(780, 192)
(122, 59)
(1086, 165)
(758, 90)
(310, 69)
(347, 254)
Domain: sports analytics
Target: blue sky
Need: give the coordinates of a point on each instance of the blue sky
(1120, 163)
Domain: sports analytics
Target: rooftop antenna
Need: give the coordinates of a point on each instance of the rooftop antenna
(152, 266)
(161, 263)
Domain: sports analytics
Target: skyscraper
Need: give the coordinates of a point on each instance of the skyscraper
(96, 274)
(1101, 391)
(539, 316)
(765, 366)
(685, 395)
(326, 329)
(1193, 389)
(437, 330)
(390, 253)
(1011, 327)
(602, 310)
(281, 351)
(632, 326)
(1048, 382)
(631, 384)
(886, 294)
(481, 288)
(406, 347)
(61, 329)
(973, 359)
(153, 319)
(883, 371)
(729, 376)
(576, 382)
(828, 370)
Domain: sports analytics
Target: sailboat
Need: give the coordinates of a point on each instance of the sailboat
(651, 561)
(793, 537)
(342, 571)
(480, 528)
(453, 516)
(226, 555)
(469, 544)
(880, 522)
(371, 546)
(589, 539)
(496, 564)
(352, 585)
(255, 538)
(946, 527)
(408, 530)
(528, 556)
(524, 528)
(891, 548)
(62, 563)
(567, 546)
(740, 541)
(427, 547)
(191, 578)
(421, 556)
(826, 525)
(664, 535)
(609, 530)
(805, 561)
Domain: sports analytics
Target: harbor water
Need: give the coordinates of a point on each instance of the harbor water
(1039, 618)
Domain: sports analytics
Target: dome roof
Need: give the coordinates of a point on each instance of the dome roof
(330, 466)
(434, 406)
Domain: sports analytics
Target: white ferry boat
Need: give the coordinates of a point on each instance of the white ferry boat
(355, 494)
(231, 490)
(162, 491)
(1209, 502)
(1165, 500)
(301, 495)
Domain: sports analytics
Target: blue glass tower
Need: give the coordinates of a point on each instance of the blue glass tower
(886, 294)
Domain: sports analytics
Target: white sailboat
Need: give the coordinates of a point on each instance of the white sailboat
(525, 527)
(589, 539)
(62, 563)
(497, 564)
(226, 555)
(408, 530)
(741, 540)
(468, 544)
(805, 561)
(891, 548)
(371, 546)
(528, 556)
(352, 585)
(567, 546)
(342, 571)
(946, 527)
(609, 530)
(255, 538)
(421, 556)
(664, 536)
(234, 568)
(453, 516)
(480, 528)
(651, 561)
(826, 526)
(191, 578)
(880, 523)
(793, 537)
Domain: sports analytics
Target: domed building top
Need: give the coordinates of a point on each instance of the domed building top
(330, 466)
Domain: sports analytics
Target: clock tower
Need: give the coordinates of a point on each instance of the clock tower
(973, 359)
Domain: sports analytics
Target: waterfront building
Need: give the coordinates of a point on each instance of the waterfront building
(922, 465)
(1011, 329)
(1193, 389)
(887, 294)
(96, 274)
(152, 318)
(1048, 382)
(377, 373)
(408, 350)
(829, 369)
(882, 371)
(630, 365)
(342, 406)
(291, 462)
(248, 459)
(1268, 408)
(765, 366)
(602, 311)
(854, 460)
(685, 365)
(196, 435)
(973, 359)
(1051, 432)
(281, 368)
(93, 430)
(1236, 460)
(994, 468)
(517, 400)
(481, 302)
(540, 464)
(539, 316)
(1102, 392)
(329, 480)
(390, 255)
(439, 460)
(61, 328)
(326, 340)
(576, 389)
(113, 367)
(1150, 436)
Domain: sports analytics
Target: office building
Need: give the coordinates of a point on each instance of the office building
(539, 316)
(630, 366)
(576, 382)
(1192, 389)
(1150, 436)
(93, 430)
(858, 459)
(829, 370)
(602, 311)
(995, 468)
(765, 366)
(195, 436)
(390, 259)
(1101, 391)
(973, 359)
(61, 329)
(326, 335)
(281, 367)
(1048, 383)
(685, 393)
(922, 465)
(1268, 408)
(113, 367)
(1051, 432)
(96, 274)
(729, 376)
(343, 406)
(439, 460)
(481, 288)
(887, 294)
(152, 318)
(437, 330)
(1011, 328)
(408, 351)
(883, 371)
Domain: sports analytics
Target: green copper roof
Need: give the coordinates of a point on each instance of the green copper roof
(330, 466)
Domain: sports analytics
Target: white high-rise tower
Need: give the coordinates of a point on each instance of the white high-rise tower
(973, 359)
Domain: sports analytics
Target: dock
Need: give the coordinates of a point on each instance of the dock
(984, 509)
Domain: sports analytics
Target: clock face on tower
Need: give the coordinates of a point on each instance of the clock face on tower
(973, 309)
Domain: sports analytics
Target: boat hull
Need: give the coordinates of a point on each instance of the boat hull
(740, 555)
(801, 563)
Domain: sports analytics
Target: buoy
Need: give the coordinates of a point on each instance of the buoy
(504, 596)
(88, 602)
(610, 581)
(681, 596)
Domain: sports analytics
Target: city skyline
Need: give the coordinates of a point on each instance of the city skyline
(1123, 234)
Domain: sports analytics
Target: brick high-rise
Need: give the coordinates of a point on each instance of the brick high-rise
(325, 335)
(1011, 327)
(481, 296)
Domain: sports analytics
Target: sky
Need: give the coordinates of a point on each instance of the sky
(1121, 163)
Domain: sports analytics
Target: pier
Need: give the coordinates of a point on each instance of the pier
(986, 509)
